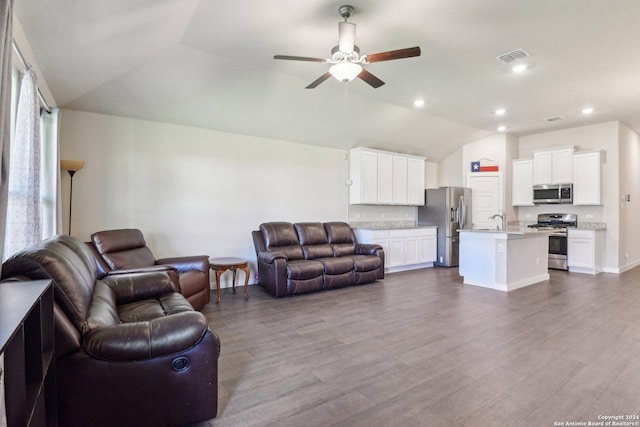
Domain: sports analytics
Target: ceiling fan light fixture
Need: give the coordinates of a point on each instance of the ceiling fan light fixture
(345, 71)
(347, 36)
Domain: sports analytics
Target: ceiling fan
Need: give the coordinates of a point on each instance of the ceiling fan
(346, 57)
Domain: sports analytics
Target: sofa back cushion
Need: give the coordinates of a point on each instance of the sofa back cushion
(282, 237)
(341, 238)
(123, 248)
(71, 265)
(314, 241)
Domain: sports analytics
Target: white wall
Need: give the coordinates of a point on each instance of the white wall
(604, 136)
(450, 172)
(629, 254)
(431, 175)
(194, 191)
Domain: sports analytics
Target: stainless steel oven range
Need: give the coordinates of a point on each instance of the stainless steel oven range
(558, 224)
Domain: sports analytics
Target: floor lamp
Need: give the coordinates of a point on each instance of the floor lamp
(71, 166)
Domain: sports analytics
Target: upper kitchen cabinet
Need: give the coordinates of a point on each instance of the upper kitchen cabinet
(553, 166)
(587, 178)
(384, 178)
(415, 181)
(522, 188)
(363, 170)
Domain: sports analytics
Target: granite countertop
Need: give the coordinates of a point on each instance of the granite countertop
(388, 225)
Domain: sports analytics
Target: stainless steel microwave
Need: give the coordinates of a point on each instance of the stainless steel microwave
(553, 193)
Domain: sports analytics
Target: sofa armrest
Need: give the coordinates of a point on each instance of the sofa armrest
(146, 340)
(186, 263)
(269, 257)
(169, 269)
(135, 287)
(367, 249)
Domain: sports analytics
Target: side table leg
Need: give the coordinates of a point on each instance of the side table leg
(234, 279)
(245, 268)
(218, 274)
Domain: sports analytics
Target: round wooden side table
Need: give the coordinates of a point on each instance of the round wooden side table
(220, 265)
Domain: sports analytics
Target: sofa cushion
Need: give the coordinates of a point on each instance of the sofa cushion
(335, 266)
(282, 237)
(313, 239)
(63, 258)
(304, 269)
(366, 262)
(124, 248)
(311, 233)
(341, 238)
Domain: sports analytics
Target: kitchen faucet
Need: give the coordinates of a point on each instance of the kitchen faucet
(500, 215)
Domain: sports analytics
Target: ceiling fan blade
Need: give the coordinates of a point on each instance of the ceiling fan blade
(393, 54)
(369, 78)
(347, 36)
(319, 80)
(299, 58)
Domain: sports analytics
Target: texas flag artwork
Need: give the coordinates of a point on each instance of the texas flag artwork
(478, 167)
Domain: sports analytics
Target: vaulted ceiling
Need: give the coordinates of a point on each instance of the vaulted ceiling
(209, 63)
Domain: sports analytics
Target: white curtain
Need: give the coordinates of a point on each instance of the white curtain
(6, 67)
(24, 226)
(50, 173)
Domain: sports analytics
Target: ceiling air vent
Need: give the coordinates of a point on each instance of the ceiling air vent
(553, 119)
(512, 56)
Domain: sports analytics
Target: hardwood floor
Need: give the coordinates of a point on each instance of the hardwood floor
(421, 349)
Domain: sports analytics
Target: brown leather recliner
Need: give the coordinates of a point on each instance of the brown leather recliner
(130, 351)
(125, 251)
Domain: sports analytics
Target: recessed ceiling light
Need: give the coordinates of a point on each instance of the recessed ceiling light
(418, 103)
(502, 128)
(519, 68)
(587, 110)
(500, 112)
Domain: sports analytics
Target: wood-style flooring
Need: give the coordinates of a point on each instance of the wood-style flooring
(419, 348)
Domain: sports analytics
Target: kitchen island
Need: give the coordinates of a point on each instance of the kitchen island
(504, 260)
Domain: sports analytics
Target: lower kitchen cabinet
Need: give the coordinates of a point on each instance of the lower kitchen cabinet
(404, 249)
(585, 251)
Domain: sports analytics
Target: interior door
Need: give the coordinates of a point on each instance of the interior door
(486, 197)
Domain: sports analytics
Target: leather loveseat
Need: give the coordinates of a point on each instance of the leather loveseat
(313, 256)
(130, 350)
(125, 251)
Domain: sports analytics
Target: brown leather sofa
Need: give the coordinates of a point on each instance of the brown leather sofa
(130, 350)
(312, 256)
(125, 251)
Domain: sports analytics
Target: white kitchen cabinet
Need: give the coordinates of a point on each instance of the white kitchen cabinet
(384, 178)
(522, 185)
(363, 170)
(587, 178)
(415, 181)
(553, 166)
(585, 251)
(400, 180)
(428, 243)
(404, 249)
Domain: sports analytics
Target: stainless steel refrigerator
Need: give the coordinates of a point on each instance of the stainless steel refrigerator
(448, 208)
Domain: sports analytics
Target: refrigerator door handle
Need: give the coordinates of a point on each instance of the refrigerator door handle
(462, 208)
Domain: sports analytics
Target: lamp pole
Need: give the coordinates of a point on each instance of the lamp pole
(71, 173)
(71, 166)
